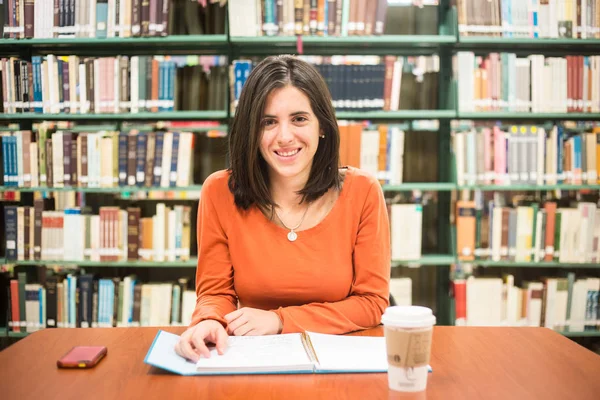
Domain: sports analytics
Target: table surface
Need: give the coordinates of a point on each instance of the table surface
(467, 362)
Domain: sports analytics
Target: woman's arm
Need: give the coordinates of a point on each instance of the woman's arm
(216, 296)
(369, 294)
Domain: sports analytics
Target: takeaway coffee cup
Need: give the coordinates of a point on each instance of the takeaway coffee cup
(408, 332)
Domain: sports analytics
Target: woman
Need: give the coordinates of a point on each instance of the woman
(300, 243)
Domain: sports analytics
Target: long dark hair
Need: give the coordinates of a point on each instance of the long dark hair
(249, 178)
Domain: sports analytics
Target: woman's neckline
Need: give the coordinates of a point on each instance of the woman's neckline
(347, 180)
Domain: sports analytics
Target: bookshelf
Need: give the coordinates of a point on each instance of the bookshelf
(446, 44)
(191, 263)
(116, 189)
(175, 44)
(142, 116)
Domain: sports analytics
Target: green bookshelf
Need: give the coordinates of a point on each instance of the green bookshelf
(526, 116)
(528, 45)
(12, 334)
(191, 263)
(144, 116)
(595, 333)
(528, 187)
(424, 186)
(531, 264)
(177, 44)
(118, 189)
(427, 259)
(397, 115)
(445, 45)
(357, 45)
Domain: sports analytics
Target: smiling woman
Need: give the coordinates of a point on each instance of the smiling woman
(288, 240)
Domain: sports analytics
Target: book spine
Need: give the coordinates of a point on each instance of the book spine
(10, 232)
(140, 170)
(174, 160)
(133, 233)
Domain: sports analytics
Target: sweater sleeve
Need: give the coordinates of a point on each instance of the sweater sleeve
(215, 294)
(369, 293)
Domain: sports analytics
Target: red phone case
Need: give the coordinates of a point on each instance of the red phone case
(82, 357)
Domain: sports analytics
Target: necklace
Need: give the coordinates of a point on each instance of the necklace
(292, 236)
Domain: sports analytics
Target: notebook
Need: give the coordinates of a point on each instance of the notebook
(293, 353)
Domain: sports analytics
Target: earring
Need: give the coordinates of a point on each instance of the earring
(322, 136)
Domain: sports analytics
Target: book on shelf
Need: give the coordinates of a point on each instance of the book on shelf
(528, 231)
(545, 19)
(564, 303)
(42, 233)
(366, 83)
(497, 154)
(332, 18)
(533, 83)
(101, 159)
(106, 85)
(290, 353)
(70, 299)
(26, 19)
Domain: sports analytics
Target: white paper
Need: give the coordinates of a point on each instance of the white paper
(271, 352)
(244, 354)
(349, 353)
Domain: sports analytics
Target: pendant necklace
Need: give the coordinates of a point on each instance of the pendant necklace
(292, 236)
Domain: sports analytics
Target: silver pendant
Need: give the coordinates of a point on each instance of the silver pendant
(292, 236)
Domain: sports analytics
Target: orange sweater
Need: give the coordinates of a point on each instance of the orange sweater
(333, 279)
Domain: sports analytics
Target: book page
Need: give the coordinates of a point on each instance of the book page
(259, 353)
(244, 354)
(349, 353)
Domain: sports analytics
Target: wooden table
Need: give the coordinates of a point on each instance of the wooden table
(468, 363)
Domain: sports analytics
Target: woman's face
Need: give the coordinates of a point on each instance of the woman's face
(290, 134)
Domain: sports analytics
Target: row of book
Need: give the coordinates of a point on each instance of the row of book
(528, 231)
(376, 149)
(503, 81)
(562, 303)
(83, 300)
(81, 85)
(109, 18)
(114, 234)
(96, 159)
(527, 154)
(332, 17)
(366, 83)
(537, 19)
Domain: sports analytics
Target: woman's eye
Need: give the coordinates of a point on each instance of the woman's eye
(268, 122)
(301, 119)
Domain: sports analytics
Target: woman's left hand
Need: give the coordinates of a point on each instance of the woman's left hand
(252, 322)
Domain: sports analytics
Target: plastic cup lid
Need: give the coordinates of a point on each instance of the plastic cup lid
(408, 317)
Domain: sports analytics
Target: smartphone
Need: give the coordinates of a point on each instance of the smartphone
(82, 357)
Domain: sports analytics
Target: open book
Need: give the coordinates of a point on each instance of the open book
(292, 353)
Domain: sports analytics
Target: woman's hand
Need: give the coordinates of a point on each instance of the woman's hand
(192, 343)
(253, 322)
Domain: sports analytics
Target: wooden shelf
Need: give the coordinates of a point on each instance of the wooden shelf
(428, 259)
(191, 263)
(117, 189)
(527, 45)
(147, 116)
(526, 116)
(528, 187)
(396, 115)
(531, 264)
(176, 44)
(423, 186)
(326, 45)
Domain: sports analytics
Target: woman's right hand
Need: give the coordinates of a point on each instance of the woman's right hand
(192, 343)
